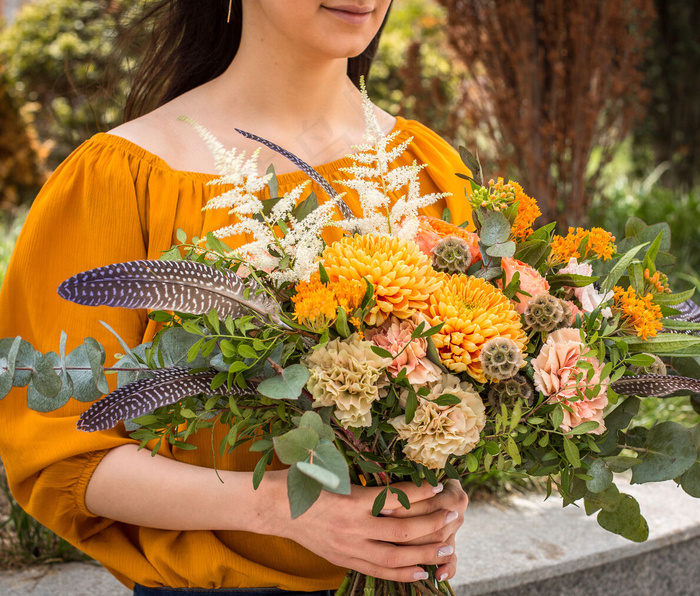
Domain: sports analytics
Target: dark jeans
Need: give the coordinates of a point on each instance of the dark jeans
(144, 591)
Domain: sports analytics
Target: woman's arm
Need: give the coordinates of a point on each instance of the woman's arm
(133, 487)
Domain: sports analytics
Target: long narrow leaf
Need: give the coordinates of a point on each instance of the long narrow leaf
(182, 286)
(166, 386)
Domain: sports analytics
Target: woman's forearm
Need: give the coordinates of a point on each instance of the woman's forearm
(131, 486)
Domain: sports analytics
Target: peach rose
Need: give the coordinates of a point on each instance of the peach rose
(393, 335)
(530, 281)
(426, 238)
(431, 230)
(556, 368)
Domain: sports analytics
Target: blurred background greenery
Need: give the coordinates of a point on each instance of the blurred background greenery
(591, 105)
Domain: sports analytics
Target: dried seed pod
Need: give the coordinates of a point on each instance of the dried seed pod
(451, 255)
(501, 358)
(544, 312)
(509, 391)
(657, 368)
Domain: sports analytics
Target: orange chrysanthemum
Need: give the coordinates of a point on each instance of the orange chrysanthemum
(443, 229)
(600, 244)
(315, 304)
(473, 311)
(638, 312)
(528, 212)
(400, 273)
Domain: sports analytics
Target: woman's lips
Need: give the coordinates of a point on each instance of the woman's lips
(354, 18)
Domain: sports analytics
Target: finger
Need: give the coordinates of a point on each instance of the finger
(448, 567)
(453, 521)
(403, 531)
(452, 498)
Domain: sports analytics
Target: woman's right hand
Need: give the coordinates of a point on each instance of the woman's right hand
(342, 529)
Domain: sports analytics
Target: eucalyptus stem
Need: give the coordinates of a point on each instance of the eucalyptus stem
(344, 585)
(369, 585)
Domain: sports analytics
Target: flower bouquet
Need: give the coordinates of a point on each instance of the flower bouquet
(410, 349)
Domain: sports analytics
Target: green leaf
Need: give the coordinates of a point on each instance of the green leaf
(602, 477)
(621, 463)
(259, 471)
(272, 183)
(411, 406)
(302, 491)
(308, 205)
(401, 496)
(323, 273)
(634, 226)
(287, 385)
(472, 162)
(584, 428)
(327, 455)
(296, 445)
(557, 416)
(618, 419)
(651, 253)
(503, 249)
(447, 399)
(313, 421)
(569, 280)
(640, 360)
(96, 357)
(327, 478)
(382, 352)
(175, 345)
(572, 453)
(247, 351)
(341, 323)
(618, 270)
(495, 229)
(670, 452)
(663, 343)
(488, 273)
(446, 215)
(7, 374)
(675, 298)
(606, 500)
(625, 520)
(379, 502)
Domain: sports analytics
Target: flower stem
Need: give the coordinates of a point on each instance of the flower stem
(369, 586)
(346, 582)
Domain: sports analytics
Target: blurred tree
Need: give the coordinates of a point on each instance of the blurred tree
(672, 125)
(415, 74)
(555, 86)
(56, 54)
(21, 155)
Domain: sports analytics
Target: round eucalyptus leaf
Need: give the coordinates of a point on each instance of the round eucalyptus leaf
(669, 453)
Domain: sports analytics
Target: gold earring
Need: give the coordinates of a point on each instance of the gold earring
(230, 4)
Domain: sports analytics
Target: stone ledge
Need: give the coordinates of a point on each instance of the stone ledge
(533, 541)
(526, 547)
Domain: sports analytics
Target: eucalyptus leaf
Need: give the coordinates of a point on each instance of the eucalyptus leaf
(287, 385)
(312, 420)
(7, 363)
(296, 445)
(44, 378)
(495, 229)
(40, 402)
(503, 249)
(302, 491)
(327, 478)
(24, 358)
(625, 520)
(96, 357)
(84, 387)
(602, 477)
(669, 453)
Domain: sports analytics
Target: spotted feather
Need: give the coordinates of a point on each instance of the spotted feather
(182, 286)
(304, 167)
(654, 385)
(165, 386)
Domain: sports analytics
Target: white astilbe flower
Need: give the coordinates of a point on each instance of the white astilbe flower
(374, 179)
(301, 243)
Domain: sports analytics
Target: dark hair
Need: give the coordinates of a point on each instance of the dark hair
(190, 42)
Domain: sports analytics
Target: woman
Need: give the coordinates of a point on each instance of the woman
(167, 520)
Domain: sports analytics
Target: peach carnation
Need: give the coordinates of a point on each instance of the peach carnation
(556, 368)
(530, 281)
(473, 311)
(437, 432)
(394, 335)
(401, 274)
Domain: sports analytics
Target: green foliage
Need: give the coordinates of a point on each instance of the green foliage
(56, 54)
(10, 226)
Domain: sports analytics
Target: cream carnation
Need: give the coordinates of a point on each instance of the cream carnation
(556, 368)
(437, 432)
(344, 374)
(394, 335)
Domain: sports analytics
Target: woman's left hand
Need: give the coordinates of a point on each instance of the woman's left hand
(453, 501)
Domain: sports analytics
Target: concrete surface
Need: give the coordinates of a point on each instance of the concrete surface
(526, 548)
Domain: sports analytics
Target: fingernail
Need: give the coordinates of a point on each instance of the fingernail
(442, 577)
(451, 516)
(438, 489)
(386, 512)
(420, 575)
(446, 551)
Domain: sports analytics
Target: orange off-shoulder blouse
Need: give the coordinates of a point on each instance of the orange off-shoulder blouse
(113, 201)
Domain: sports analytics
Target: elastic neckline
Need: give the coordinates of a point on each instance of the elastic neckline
(401, 125)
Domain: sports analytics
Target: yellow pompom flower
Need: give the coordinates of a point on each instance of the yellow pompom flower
(473, 311)
(401, 274)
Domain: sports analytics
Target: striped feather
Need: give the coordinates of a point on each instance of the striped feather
(304, 167)
(690, 312)
(182, 286)
(166, 386)
(654, 385)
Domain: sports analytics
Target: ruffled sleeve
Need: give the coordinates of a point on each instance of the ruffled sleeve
(89, 214)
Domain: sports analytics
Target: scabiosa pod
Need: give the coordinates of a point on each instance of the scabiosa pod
(451, 255)
(501, 358)
(544, 313)
(510, 391)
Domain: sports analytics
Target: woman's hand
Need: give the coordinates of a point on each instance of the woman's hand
(394, 546)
